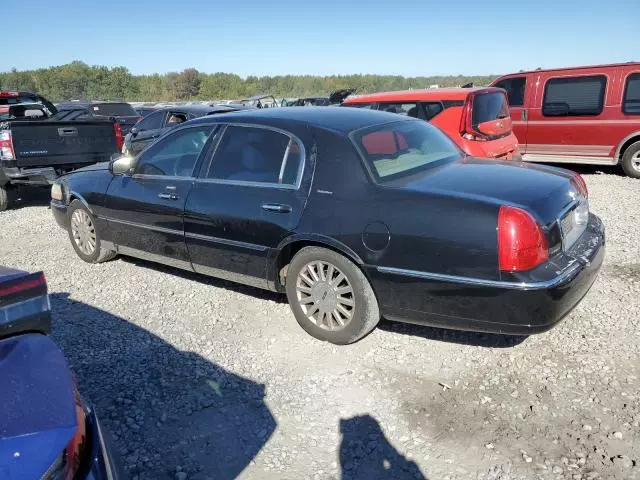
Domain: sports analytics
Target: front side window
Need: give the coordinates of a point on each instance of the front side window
(515, 88)
(631, 98)
(153, 121)
(574, 96)
(257, 155)
(404, 148)
(174, 155)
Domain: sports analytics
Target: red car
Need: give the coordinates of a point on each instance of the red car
(476, 119)
(578, 115)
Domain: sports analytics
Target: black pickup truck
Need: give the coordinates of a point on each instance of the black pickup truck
(37, 144)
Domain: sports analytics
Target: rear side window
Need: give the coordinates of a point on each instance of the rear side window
(574, 96)
(403, 148)
(488, 107)
(409, 109)
(114, 109)
(152, 121)
(631, 98)
(432, 109)
(257, 155)
(358, 105)
(515, 90)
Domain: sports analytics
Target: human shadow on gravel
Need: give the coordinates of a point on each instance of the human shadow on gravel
(476, 339)
(169, 410)
(365, 453)
(208, 280)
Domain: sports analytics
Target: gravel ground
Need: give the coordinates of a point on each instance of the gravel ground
(198, 378)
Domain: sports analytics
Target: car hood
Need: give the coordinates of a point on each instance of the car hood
(38, 406)
(542, 190)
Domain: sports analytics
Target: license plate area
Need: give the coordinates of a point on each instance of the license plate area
(574, 223)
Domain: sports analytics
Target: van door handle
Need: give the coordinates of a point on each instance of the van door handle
(523, 115)
(168, 196)
(276, 207)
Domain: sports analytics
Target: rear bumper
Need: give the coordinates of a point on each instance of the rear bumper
(101, 463)
(31, 176)
(59, 211)
(491, 306)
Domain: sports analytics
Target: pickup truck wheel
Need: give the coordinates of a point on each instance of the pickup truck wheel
(84, 235)
(7, 197)
(330, 297)
(631, 160)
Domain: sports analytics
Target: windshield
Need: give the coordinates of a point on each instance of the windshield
(403, 148)
(489, 106)
(114, 109)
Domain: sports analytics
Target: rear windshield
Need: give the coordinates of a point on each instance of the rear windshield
(403, 148)
(488, 107)
(22, 111)
(114, 109)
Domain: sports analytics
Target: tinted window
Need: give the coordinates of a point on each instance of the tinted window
(432, 109)
(409, 109)
(152, 121)
(358, 105)
(174, 155)
(631, 99)
(488, 107)
(252, 154)
(404, 148)
(574, 96)
(515, 90)
(114, 109)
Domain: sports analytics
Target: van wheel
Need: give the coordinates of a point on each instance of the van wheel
(84, 236)
(7, 197)
(631, 160)
(330, 297)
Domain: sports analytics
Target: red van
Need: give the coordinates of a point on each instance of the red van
(578, 115)
(477, 119)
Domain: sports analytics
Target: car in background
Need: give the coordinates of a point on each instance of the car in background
(122, 112)
(159, 122)
(334, 98)
(476, 119)
(47, 431)
(354, 214)
(143, 111)
(588, 115)
(260, 101)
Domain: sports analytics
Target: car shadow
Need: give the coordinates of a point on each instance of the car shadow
(32, 197)
(590, 169)
(365, 452)
(476, 339)
(168, 410)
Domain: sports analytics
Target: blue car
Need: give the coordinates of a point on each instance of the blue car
(46, 430)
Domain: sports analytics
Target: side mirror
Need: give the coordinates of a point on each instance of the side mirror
(134, 131)
(559, 109)
(121, 165)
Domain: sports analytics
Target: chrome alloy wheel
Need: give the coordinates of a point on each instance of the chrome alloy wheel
(635, 161)
(325, 295)
(83, 231)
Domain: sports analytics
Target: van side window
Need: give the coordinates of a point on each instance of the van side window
(573, 96)
(515, 90)
(631, 97)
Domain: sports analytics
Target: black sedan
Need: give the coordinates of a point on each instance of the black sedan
(355, 214)
(155, 124)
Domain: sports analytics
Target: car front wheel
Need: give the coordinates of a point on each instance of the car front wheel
(84, 236)
(330, 296)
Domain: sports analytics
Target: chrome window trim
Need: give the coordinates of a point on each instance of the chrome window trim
(226, 241)
(292, 137)
(144, 226)
(143, 176)
(568, 273)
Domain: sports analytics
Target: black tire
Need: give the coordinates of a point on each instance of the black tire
(365, 313)
(7, 197)
(99, 253)
(632, 156)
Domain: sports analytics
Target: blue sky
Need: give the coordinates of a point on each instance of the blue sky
(247, 37)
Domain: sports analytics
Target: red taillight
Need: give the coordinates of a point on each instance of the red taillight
(6, 146)
(466, 122)
(522, 245)
(20, 285)
(117, 130)
(581, 185)
(9, 94)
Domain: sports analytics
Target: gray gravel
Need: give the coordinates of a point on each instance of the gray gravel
(198, 378)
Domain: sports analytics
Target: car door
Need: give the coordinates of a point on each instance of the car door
(146, 131)
(247, 199)
(519, 92)
(145, 210)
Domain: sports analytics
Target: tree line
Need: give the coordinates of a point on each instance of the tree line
(77, 80)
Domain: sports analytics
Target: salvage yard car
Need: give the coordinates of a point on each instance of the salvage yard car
(354, 214)
(587, 115)
(477, 119)
(122, 112)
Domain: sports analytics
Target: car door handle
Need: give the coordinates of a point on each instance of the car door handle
(168, 196)
(276, 207)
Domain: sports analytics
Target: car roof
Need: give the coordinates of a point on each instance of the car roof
(201, 109)
(82, 104)
(337, 119)
(416, 95)
(583, 67)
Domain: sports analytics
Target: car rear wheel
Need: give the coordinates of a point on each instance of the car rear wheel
(330, 297)
(84, 235)
(631, 160)
(7, 197)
